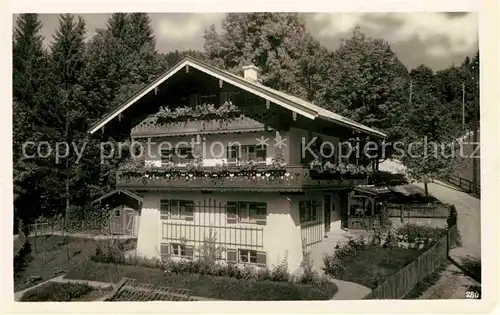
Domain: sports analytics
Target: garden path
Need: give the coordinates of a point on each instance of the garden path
(469, 219)
(452, 284)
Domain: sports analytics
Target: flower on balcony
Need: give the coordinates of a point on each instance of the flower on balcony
(278, 161)
(196, 164)
(316, 165)
(220, 170)
(202, 111)
(330, 167)
(248, 165)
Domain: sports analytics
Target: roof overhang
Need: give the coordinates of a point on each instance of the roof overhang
(118, 192)
(240, 83)
(291, 103)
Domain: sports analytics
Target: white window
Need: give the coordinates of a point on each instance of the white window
(176, 209)
(166, 156)
(233, 153)
(183, 155)
(248, 212)
(249, 256)
(253, 152)
(176, 249)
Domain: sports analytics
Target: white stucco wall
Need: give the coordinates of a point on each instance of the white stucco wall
(149, 228)
(281, 233)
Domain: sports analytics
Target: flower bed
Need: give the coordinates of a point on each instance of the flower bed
(327, 169)
(216, 287)
(385, 253)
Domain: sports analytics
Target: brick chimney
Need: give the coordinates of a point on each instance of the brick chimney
(251, 73)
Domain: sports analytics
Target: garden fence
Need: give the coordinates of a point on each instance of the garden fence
(401, 283)
(418, 211)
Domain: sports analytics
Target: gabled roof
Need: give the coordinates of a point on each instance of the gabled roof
(119, 191)
(295, 104)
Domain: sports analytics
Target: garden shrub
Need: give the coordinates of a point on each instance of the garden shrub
(280, 272)
(56, 292)
(23, 250)
(334, 264)
(416, 234)
(309, 275)
(109, 253)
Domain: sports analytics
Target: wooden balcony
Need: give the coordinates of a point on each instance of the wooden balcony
(150, 128)
(291, 179)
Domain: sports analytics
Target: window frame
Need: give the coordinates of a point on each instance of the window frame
(166, 158)
(251, 217)
(252, 257)
(233, 149)
(183, 160)
(181, 212)
(247, 155)
(310, 211)
(181, 250)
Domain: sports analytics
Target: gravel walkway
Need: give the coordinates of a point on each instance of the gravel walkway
(452, 284)
(469, 219)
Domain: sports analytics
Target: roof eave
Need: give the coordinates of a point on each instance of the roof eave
(365, 130)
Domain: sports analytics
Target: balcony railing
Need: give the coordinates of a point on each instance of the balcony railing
(295, 178)
(149, 127)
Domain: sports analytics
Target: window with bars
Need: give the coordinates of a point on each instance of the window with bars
(176, 209)
(246, 212)
(309, 211)
(246, 256)
(176, 249)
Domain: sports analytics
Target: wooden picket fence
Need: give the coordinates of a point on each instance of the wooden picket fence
(418, 211)
(401, 283)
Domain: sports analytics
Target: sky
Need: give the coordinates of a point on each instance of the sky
(437, 40)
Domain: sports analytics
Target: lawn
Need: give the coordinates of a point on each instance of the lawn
(224, 288)
(374, 264)
(63, 292)
(50, 256)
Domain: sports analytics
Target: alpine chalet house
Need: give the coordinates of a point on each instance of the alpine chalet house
(230, 159)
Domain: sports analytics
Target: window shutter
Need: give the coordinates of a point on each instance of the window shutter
(189, 211)
(314, 214)
(165, 249)
(302, 211)
(164, 209)
(231, 212)
(189, 251)
(261, 214)
(231, 256)
(261, 258)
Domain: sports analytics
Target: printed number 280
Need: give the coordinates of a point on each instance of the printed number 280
(472, 295)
